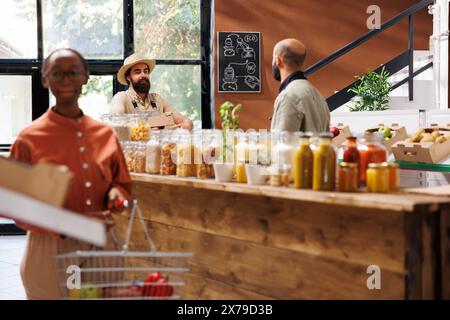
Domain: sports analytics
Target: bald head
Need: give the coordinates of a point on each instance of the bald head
(292, 51)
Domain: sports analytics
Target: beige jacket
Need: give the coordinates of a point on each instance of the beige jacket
(122, 102)
(300, 107)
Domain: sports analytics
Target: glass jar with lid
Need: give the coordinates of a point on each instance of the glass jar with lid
(140, 126)
(324, 164)
(394, 176)
(140, 157)
(185, 153)
(121, 126)
(348, 177)
(168, 154)
(282, 149)
(378, 177)
(153, 153)
(128, 148)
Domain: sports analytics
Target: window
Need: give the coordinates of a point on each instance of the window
(180, 85)
(167, 29)
(18, 33)
(175, 32)
(15, 106)
(93, 27)
(96, 96)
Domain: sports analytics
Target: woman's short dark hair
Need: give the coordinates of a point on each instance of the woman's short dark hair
(82, 59)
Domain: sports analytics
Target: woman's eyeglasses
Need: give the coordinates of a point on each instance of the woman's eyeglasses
(59, 75)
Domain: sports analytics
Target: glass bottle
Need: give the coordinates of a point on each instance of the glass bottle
(153, 153)
(378, 177)
(303, 163)
(351, 153)
(242, 158)
(324, 175)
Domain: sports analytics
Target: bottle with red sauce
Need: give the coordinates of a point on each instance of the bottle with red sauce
(351, 153)
(372, 151)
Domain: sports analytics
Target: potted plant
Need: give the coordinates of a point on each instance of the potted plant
(372, 92)
(230, 121)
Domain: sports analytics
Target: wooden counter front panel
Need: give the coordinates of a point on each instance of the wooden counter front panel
(249, 247)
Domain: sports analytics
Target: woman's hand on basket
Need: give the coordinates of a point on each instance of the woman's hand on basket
(117, 202)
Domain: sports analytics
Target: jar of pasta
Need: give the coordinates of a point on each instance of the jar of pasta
(140, 157)
(168, 154)
(129, 154)
(140, 126)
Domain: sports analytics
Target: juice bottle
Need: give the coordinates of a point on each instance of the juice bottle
(351, 154)
(324, 164)
(242, 158)
(303, 163)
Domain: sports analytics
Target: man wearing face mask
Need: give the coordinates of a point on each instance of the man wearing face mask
(135, 73)
(299, 106)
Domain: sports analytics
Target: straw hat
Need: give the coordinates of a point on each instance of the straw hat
(131, 61)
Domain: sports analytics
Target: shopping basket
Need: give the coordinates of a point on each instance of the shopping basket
(122, 274)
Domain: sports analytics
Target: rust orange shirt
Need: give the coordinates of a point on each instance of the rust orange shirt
(89, 148)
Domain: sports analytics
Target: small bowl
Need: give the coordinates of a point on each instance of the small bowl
(254, 174)
(223, 172)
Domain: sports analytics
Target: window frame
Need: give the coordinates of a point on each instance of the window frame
(40, 95)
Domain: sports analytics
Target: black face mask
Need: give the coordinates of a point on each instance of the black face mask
(142, 86)
(276, 72)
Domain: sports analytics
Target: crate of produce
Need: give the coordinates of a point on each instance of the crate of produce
(391, 134)
(123, 274)
(340, 134)
(428, 145)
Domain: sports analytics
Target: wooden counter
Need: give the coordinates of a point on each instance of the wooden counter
(260, 242)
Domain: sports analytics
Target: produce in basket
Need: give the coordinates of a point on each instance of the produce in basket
(126, 292)
(160, 289)
(87, 292)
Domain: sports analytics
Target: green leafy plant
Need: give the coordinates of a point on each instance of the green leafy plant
(228, 112)
(373, 92)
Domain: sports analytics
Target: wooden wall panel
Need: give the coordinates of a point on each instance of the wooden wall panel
(324, 26)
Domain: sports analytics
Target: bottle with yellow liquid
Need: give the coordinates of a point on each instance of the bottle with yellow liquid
(303, 163)
(324, 164)
(242, 158)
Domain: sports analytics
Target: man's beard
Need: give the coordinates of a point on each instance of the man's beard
(142, 86)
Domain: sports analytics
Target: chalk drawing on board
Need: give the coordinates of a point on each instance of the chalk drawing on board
(228, 49)
(239, 62)
(230, 79)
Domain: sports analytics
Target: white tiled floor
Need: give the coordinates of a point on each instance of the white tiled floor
(11, 250)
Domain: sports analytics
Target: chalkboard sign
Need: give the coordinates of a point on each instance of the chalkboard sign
(239, 62)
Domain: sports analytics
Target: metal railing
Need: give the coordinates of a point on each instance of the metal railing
(393, 66)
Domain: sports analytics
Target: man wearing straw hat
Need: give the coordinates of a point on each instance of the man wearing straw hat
(135, 73)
